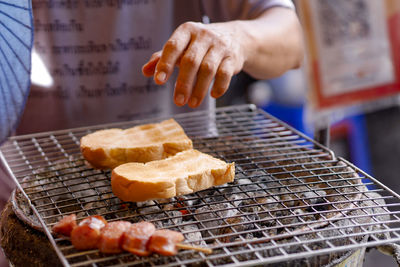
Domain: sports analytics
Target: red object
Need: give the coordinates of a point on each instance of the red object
(87, 234)
(65, 225)
(164, 242)
(111, 236)
(136, 238)
(184, 212)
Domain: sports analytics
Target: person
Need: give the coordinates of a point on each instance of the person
(109, 61)
(95, 67)
(207, 52)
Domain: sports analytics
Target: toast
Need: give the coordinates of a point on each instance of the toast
(107, 149)
(184, 173)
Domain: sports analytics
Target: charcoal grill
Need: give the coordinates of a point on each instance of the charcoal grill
(292, 202)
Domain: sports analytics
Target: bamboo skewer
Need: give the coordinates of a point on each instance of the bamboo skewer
(200, 249)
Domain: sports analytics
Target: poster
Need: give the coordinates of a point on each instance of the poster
(352, 50)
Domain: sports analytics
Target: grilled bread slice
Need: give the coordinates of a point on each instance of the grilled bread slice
(184, 173)
(107, 149)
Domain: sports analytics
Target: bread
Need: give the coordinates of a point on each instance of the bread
(106, 149)
(184, 173)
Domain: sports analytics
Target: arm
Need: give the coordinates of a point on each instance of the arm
(265, 47)
(273, 43)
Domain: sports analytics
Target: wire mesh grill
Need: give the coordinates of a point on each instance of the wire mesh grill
(292, 201)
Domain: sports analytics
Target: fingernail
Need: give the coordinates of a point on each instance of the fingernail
(214, 94)
(161, 76)
(193, 101)
(180, 99)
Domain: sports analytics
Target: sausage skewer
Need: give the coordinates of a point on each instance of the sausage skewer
(167, 242)
(164, 242)
(138, 238)
(88, 232)
(111, 236)
(65, 225)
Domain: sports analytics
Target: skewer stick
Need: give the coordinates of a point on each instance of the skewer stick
(201, 249)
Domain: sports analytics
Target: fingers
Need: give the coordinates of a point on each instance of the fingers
(223, 77)
(149, 67)
(188, 71)
(205, 76)
(203, 53)
(172, 51)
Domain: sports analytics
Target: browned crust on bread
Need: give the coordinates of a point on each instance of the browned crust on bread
(170, 177)
(107, 149)
(96, 157)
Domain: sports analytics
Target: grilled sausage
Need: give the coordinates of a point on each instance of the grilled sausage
(136, 238)
(111, 236)
(87, 234)
(65, 225)
(164, 242)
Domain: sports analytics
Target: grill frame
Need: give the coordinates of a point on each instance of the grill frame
(248, 129)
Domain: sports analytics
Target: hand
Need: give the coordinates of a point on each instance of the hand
(203, 53)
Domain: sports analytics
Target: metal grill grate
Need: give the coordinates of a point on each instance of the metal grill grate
(292, 201)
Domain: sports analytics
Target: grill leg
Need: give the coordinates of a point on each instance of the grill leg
(322, 136)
